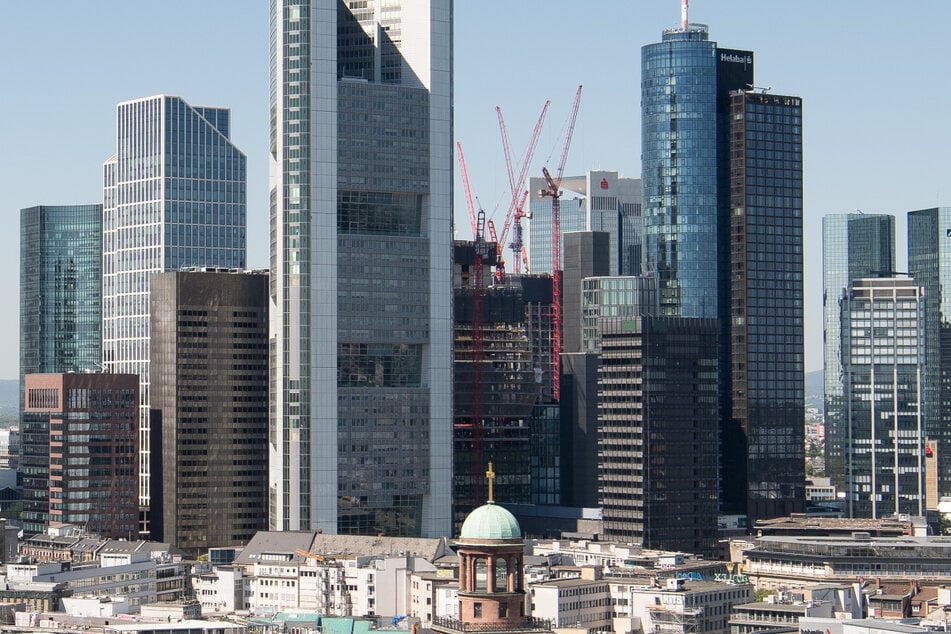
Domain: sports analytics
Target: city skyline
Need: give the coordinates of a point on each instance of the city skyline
(868, 144)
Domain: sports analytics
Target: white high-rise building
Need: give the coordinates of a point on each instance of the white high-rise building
(173, 197)
(361, 179)
(597, 200)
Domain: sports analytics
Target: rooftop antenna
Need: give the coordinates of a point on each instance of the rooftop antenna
(683, 14)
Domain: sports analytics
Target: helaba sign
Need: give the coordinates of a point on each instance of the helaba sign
(733, 58)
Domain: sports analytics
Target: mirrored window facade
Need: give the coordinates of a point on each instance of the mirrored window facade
(929, 260)
(173, 196)
(766, 306)
(854, 246)
(60, 289)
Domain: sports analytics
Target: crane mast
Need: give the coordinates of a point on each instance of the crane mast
(553, 191)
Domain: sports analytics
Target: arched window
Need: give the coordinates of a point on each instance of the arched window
(501, 575)
(481, 578)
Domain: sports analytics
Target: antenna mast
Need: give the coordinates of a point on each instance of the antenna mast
(683, 14)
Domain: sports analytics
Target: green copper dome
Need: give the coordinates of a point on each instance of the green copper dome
(490, 522)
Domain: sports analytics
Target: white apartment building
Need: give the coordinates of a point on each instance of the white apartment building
(678, 606)
(582, 604)
(219, 590)
(433, 594)
(362, 586)
(134, 576)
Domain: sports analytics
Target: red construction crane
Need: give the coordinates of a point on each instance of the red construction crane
(516, 185)
(553, 191)
(465, 186)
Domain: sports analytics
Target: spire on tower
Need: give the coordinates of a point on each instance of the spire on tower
(683, 14)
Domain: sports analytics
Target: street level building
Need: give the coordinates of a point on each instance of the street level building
(209, 390)
(173, 197)
(775, 562)
(361, 323)
(79, 452)
(854, 246)
(60, 289)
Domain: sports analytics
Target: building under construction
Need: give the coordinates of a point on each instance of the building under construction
(502, 383)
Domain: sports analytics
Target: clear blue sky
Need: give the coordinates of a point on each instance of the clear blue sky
(874, 77)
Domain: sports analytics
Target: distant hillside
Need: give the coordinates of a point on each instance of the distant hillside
(9, 402)
(815, 389)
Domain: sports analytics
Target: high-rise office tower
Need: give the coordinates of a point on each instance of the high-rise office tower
(762, 461)
(854, 246)
(79, 452)
(883, 352)
(613, 298)
(657, 419)
(586, 254)
(691, 167)
(929, 261)
(209, 335)
(361, 326)
(60, 289)
(686, 81)
(173, 196)
(595, 201)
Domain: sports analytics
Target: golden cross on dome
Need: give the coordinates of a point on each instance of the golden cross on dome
(490, 474)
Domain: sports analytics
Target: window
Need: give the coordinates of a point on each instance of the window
(480, 576)
(477, 610)
(503, 610)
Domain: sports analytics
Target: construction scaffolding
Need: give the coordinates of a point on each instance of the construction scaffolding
(497, 374)
(671, 621)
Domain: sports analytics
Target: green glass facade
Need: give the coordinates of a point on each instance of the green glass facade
(60, 289)
(854, 246)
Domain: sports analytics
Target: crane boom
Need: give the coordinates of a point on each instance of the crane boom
(465, 187)
(516, 184)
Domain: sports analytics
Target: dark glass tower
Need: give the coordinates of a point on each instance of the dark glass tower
(208, 356)
(60, 289)
(657, 436)
(929, 260)
(766, 308)
(854, 246)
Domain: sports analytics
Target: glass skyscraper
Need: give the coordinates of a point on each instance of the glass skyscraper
(766, 304)
(361, 325)
(685, 86)
(60, 289)
(929, 260)
(854, 246)
(883, 353)
(173, 197)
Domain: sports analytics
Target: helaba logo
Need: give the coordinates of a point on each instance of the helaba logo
(736, 59)
(604, 183)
